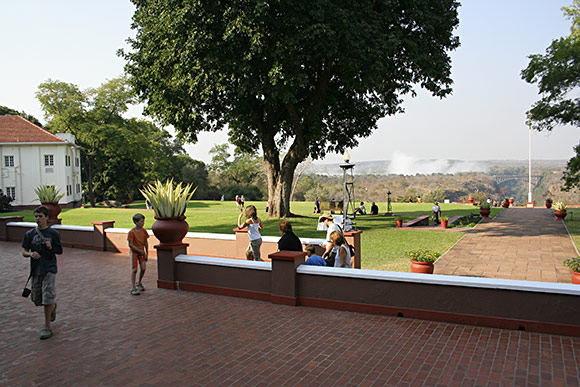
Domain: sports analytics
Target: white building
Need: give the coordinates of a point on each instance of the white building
(32, 156)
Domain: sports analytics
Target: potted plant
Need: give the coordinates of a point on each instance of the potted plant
(399, 221)
(169, 203)
(48, 196)
(484, 209)
(506, 203)
(511, 201)
(471, 199)
(548, 203)
(422, 260)
(444, 220)
(574, 265)
(560, 210)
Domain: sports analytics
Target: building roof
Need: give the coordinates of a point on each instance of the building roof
(15, 129)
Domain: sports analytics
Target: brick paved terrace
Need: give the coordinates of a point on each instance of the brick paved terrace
(105, 336)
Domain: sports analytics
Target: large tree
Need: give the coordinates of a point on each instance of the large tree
(557, 73)
(300, 78)
(119, 154)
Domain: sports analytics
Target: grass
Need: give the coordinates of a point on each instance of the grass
(383, 247)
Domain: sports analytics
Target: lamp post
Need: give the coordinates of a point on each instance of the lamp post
(530, 203)
(348, 190)
(389, 209)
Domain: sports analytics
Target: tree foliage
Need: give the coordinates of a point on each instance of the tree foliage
(557, 73)
(119, 154)
(301, 78)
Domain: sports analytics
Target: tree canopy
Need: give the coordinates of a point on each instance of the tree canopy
(557, 73)
(296, 78)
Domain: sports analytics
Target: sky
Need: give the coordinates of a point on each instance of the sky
(75, 41)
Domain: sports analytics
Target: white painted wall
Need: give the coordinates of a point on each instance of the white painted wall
(29, 170)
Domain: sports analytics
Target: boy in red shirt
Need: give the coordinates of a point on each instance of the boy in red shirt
(138, 250)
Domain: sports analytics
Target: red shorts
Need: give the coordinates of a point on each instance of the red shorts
(137, 259)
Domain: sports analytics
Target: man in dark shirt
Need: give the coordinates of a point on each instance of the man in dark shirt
(41, 244)
(374, 209)
(289, 241)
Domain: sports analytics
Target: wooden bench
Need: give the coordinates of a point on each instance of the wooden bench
(454, 219)
(420, 221)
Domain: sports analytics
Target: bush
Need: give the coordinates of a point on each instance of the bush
(423, 255)
(5, 202)
(573, 264)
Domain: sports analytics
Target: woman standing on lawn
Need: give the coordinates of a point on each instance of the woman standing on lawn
(254, 225)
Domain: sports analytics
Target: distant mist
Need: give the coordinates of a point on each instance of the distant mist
(403, 164)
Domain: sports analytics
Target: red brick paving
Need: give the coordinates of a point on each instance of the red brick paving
(519, 243)
(105, 336)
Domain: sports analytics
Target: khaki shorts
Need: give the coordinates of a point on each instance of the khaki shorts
(254, 247)
(43, 289)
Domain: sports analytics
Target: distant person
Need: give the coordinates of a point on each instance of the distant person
(237, 202)
(419, 200)
(223, 198)
(361, 209)
(330, 247)
(138, 251)
(317, 206)
(254, 225)
(41, 245)
(374, 209)
(289, 241)
(410, 199)
(267, 206)
(242, 202)
(343, 257)
(311, 258)
(436, 212)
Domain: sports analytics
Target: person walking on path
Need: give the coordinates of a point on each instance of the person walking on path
(254, 225)
(436, 212)
(41, 245)
(139, 252)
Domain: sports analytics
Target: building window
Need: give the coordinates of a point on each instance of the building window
(67, 160)
(78, 188)
(11, 192)
(9, 161)
(48, 160)
(77, 162)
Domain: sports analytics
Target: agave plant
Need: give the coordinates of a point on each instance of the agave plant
(168, 200)
(559, 206)
(484, 204)
(48, 194)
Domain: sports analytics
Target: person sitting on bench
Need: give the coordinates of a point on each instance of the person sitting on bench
(362, 209)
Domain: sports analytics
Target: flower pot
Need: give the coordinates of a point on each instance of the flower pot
(170, 231)
(399, 222)
(471, 200)
(444, 223)
(421, 267)
(53, 210)
(511, 202)
(548, 204)
(484, 212)
(506, 204)
(560, 214)
(576, 277)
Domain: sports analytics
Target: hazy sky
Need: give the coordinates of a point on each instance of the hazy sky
(76, 42)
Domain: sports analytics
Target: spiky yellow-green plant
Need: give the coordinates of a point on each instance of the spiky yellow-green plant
(559, 206)
(168, 200)
(48, 194)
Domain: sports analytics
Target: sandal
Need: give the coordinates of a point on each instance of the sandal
(46, 334)
(53, 314)
(135, 292)
(140, 287)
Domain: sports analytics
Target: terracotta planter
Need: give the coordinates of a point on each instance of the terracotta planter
(548, 204)
(53, 210)
(471, 200)
(511, 202)
(170, 231)
(421, 267)
(444, 223)
(576, 277)
(399, 222)
(506, 204)
(485, 212)
(560, 214)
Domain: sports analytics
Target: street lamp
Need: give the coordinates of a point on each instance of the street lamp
(389, 209)
(348, 190)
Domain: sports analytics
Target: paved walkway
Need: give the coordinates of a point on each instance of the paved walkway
(105, 336)
(519, 243)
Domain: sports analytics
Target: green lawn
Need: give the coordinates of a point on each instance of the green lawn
(383, 247)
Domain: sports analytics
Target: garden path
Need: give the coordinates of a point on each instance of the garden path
(519, 243)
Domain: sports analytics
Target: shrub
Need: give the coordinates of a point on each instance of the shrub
(573, 264)
(559, 206)
(423, 255)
